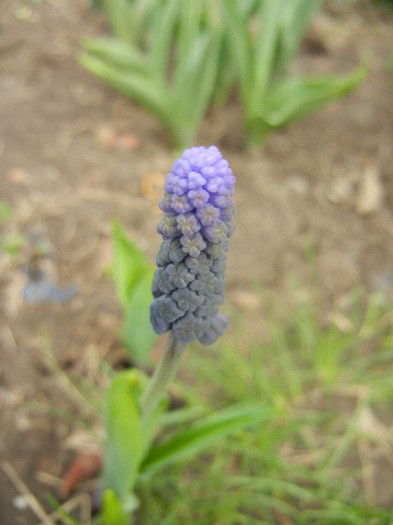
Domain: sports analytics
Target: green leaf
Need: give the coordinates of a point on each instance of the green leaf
(137, 332)
(120, 18)
(300, 96)
(129, 267)
(117, 53)
(148, 92)
(203, 433)
(164, 24)
(240, 42)
(143, 13)
(296, 19)
(150, 423)
(112, 510)
(225, 75)
(188, 33)
(180, 416)
(264, 58)
(194, 88)
(152, 93)
(124, 435)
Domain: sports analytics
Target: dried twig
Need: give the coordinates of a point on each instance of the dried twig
(29, 497)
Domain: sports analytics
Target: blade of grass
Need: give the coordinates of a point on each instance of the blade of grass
(265, 484)
(200, 435)
(336, 452)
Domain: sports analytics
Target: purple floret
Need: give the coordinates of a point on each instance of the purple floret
(193, 244)
(168, 226)
(189, 284)
(165, 203)
(207, 214)
(181, 203)
(198, 198)
(187, 223)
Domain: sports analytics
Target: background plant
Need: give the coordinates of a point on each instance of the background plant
(132, 274)
(164, 56)
(177, 58)
(271, 97)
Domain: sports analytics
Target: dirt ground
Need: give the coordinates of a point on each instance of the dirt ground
(74, 155)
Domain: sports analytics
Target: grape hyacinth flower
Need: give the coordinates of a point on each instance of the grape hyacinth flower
(189, 283)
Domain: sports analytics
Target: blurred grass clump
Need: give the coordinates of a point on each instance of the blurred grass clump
(178, 58)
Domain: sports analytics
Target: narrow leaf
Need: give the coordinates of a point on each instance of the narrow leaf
(165, 17)
(150, 93)
(239, 39)
(193, 91)
(202, 434)
(264, 62)
(142, 15)
(297, 98)
(123, 426)
(120, 18)
(112, 510)
(188, 33)
(138, 335)
(118, 54)
(296, 19)
(301, 96)
(129, 265)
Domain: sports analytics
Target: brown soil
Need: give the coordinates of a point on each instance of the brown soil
(75, 155)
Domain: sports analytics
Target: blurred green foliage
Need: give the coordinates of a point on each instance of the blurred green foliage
(133, 450)
(132, 275)
(176, 58)
(11, 240)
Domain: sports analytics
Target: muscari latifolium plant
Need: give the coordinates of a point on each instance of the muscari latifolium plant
(178, 58)
(188, 288)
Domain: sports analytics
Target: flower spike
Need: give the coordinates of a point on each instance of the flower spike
(189, 283)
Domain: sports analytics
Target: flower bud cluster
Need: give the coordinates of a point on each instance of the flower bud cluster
(189, 283)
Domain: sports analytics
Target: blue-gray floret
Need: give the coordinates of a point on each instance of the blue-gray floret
(189, 284)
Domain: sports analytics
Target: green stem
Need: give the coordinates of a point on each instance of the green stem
(164, 373)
